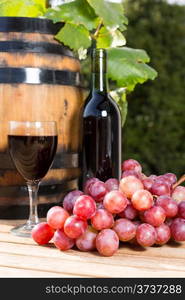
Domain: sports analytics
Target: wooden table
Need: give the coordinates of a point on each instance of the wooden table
(21, 257)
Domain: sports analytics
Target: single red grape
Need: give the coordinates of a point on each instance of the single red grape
(178, 193)
(129, 185)
(131, 164)
(171, 177)
(163, 234)
(142, 200)
(146, 235)
(56, 217)
(97, 190)
(129, 213)
(74, 227)
(181, 209)
(178, 230)
(155, 216)
(115, 202)
(87, 241)
(88, 184)
(112, 184)
(85, 207)
(160, 188)
(69, 200)
(125, 229)
(42, 233)
(102, 219)
(168, 204)
(62, 241)
(107, 242)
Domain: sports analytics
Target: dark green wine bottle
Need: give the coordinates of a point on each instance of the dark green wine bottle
(101, 126)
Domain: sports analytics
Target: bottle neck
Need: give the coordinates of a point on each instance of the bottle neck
(99, 72)
(99, 82)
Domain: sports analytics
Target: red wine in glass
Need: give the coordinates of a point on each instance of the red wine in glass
(32, 155)
(32, 147)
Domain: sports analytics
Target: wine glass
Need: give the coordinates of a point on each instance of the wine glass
(32, 147)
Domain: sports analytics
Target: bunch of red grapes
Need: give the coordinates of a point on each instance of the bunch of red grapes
(138, 209)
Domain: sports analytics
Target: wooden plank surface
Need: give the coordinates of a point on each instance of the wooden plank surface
(21, 257)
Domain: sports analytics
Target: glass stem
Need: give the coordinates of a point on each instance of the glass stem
(33, 188)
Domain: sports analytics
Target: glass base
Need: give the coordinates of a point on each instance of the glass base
(23, 230)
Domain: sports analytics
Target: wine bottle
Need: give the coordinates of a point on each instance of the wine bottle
(101, 126)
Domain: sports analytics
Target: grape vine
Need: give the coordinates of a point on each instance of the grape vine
(100, 23)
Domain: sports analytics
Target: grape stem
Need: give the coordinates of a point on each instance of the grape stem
(181, 179)
(95, 35)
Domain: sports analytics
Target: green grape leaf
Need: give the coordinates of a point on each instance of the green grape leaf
(74, 36)
(22, 8)
(41, 3)
(128, 67)
(76, 12)
(112, 14)
(104, 39)
(118, 39)
(110, 38)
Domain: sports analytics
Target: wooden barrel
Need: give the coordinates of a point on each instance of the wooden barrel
(39, 81)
